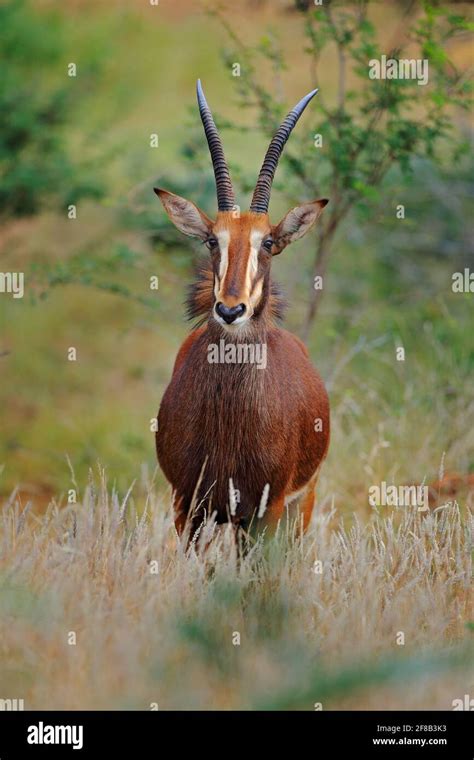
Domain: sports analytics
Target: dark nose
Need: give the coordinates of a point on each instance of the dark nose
(229, 314)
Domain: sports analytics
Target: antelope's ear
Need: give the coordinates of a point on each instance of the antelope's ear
(296, 223)
(187, 217)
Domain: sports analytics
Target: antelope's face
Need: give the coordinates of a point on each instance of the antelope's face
(241, 253)
(241, 250)
(241, 246)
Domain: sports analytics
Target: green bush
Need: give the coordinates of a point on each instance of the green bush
(34, 162)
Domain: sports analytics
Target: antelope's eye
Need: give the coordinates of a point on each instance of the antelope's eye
(267, 244)
(211, 243)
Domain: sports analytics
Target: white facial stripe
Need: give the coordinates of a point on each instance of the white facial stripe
(257, 292)
(223, 238)
(256, 237)
(255, 240)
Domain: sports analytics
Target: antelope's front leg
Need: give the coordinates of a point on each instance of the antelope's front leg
(188, 523)
(180, 513)
(273, 514)
(308, 500)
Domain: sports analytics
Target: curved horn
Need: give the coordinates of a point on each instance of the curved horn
(225, 192)
(261, 195)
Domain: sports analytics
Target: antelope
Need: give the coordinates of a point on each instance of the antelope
(241, 440)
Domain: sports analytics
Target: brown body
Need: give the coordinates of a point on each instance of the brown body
(241, 437)
(254, 426)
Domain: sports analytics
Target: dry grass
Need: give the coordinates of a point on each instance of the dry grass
(167, 637)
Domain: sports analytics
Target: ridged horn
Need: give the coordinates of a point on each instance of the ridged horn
(261, 195)
(225, 191)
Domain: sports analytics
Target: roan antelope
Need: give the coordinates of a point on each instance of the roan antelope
(236, 435)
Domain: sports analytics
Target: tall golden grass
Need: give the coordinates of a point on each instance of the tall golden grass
(319, 618)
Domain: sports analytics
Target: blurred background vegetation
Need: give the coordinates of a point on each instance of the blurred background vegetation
(85, 140)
